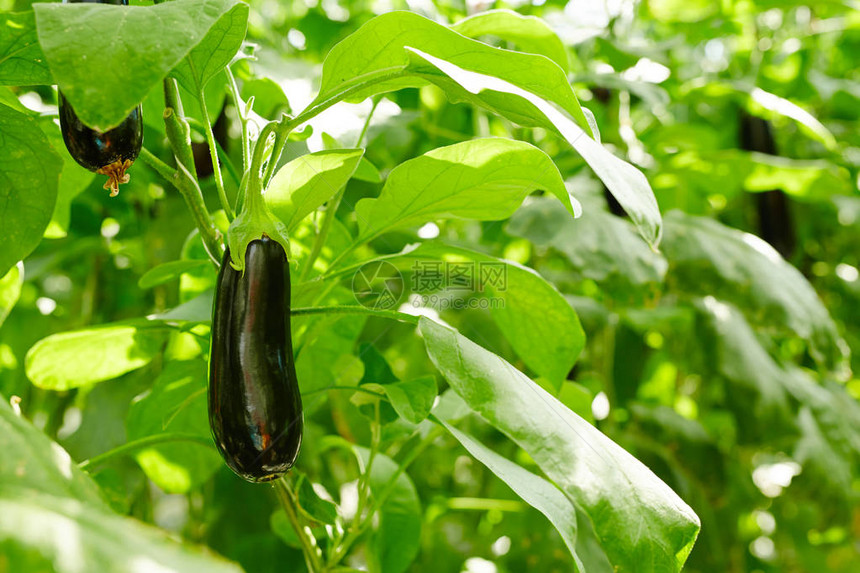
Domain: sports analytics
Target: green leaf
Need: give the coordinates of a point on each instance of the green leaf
(641, 524)
(65, 535)
(73, 359)
(10, 290)
(30, 460)
(412, 399)
(270, 101)
(708, 258)
(541, 326)
(396, 537)
(540, 494)
(305, 183)
(484, 179)
(374, 60)
(129, 49)
(598, 245)
(215, 51)
(627, 184)
(318, 509)
(22, 62)
(29, 176)
(169, 271)
(528, 33)
(176, 403)
(54, 518)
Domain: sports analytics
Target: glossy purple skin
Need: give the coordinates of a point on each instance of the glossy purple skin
(255, 407)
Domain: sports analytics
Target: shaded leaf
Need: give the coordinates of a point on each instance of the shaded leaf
(412, 399)
(22, 62)
(708, 258)
(316, 508)
(395, 540)
(29, 177)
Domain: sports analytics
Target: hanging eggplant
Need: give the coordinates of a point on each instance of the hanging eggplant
(255, 408)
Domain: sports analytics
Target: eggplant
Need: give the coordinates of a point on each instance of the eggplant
(110, 152)
(255, 408)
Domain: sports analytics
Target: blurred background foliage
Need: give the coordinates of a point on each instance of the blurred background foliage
(743, 115)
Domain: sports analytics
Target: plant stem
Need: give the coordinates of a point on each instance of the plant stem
(319, 242)
(352, 309)
(288, 502)
(366, 126)
(237, 101)
(190, 191)
(144, 443)
(213, 155)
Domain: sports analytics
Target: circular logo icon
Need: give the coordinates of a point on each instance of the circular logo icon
(377, 285)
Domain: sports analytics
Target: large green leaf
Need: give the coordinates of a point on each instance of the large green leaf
(540, 494)
(175, 404)
(528, 33)
(396, 538)
(64, 535)
(627, 184)
(107, 58)
(307, 182)
(215, 51)
(641, 524)
(374, 60)
(10, 290)
(708, 258)
(54, 518)
(484, 179)
(21, 60)
(29, 176)
(72, 359)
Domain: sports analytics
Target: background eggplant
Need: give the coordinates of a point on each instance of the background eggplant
(108, 153)
(255, 408)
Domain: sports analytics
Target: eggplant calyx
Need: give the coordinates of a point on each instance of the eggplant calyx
(117, 175)
(254, 222)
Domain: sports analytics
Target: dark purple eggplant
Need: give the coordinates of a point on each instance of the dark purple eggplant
(108, 153)
(255, 408)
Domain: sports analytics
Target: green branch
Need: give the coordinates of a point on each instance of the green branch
(289, 503)
(144, 443)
